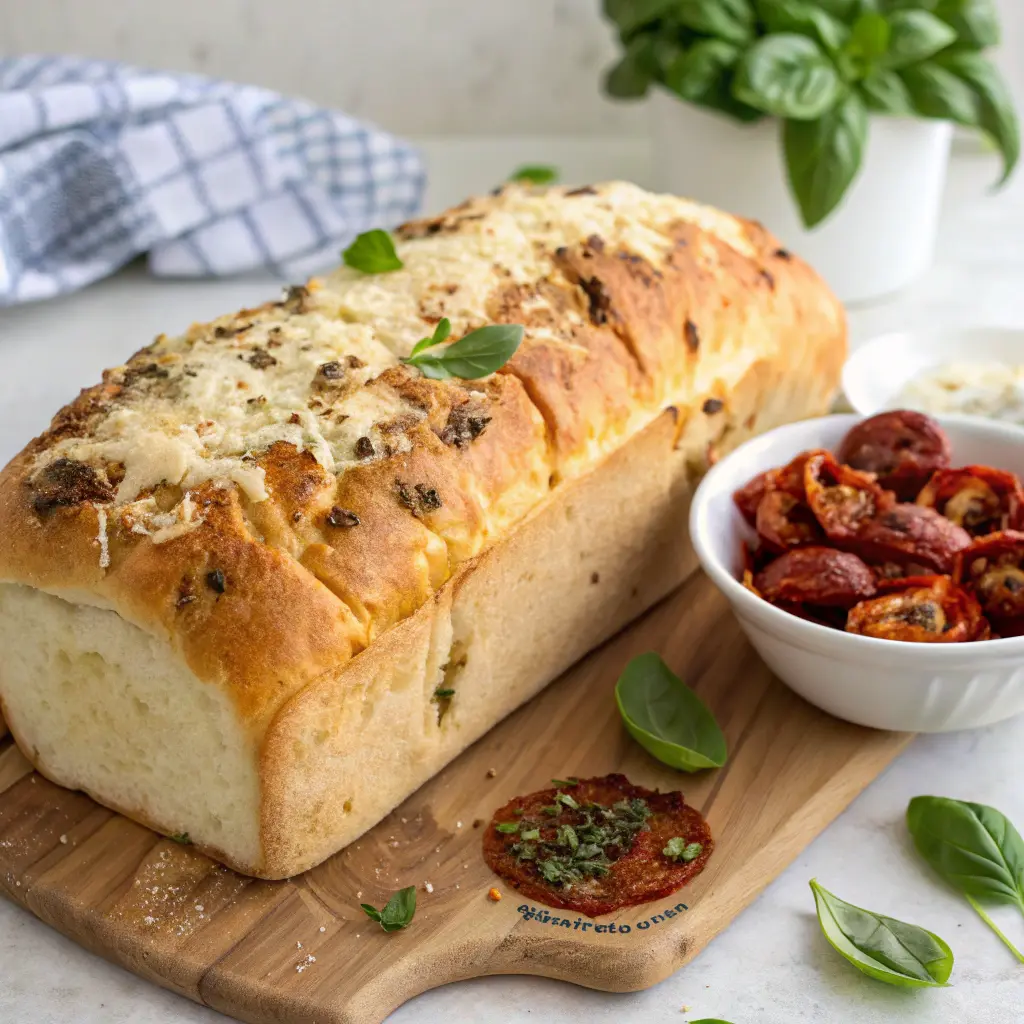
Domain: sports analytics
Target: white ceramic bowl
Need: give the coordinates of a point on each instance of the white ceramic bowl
(887, 684)
(878, 370)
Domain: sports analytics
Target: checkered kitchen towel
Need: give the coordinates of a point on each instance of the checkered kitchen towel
(100, 162)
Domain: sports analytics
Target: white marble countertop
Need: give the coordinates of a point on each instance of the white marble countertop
(771, 966)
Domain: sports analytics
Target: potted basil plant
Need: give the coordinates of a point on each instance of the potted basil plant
(829, 121)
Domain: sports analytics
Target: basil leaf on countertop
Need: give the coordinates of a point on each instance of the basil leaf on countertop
(372, 252)
(975, 849)
(474, 355)
(535, 174)
(881, 947)
(397, 912)
(667, 718)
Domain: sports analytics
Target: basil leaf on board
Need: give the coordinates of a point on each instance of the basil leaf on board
(535, 174)
(870, 36)
(788, 76)
(939, 93)
(884, 92)
(996, 113)
(976, 22)
(882, 947)
(667, 718)
(975, 849)
(915, 36)
(477, 354)
(372, 252)
(824, 156)
(731, 20)
(805, 18)
(397, 912)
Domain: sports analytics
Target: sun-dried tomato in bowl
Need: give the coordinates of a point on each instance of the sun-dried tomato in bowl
(885, 539)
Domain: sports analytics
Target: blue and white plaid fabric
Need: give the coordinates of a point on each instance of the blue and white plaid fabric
(100, 162)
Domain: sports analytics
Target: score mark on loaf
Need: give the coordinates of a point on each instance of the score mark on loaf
(236, 572)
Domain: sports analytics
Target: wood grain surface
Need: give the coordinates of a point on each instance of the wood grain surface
(302, 951)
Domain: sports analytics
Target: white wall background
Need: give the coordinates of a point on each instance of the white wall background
(419, 67)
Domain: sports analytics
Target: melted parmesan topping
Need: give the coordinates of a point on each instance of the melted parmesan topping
(196, 408)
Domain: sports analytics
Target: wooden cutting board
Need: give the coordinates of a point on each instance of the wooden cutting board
(302, 951)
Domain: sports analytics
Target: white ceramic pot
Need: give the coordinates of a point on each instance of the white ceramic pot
(879, 240)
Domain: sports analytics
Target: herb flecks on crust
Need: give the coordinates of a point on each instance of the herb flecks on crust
(597, 845)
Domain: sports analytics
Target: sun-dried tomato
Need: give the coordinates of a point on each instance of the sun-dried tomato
(931, 609)
(902, 448)
(980, 499)
(841, 498)
(749, 497)
(912, 536)
(785, 522)
(788, 478)
(817, 576)
(993, 567)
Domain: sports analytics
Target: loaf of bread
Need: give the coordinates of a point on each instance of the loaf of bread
(267, 579)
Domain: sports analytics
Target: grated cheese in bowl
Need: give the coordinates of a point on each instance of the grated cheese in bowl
(994, 390)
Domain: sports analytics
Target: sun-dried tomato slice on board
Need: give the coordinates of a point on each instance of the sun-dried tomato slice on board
(980, 499)
(817, 576)
(911, 536)
(597, 846)
(993, 567)
(902, 448)
(926, 609)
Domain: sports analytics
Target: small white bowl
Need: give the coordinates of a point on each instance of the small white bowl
(878, 370)
(887, 684)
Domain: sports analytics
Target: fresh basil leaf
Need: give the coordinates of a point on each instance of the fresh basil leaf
(372, 252)
(937, 92)
(441, 332)
(183, 838)
(399, 910)
(477, 354)
(807, 19)
(371, 912)
(882, 947)
(631, 77)
(731, 20)
(870, 36)
(702, 75)
(789, 76)
(535, 174)
(629, 15)
(667, 718)
(996, 114)
(915, 36)
(975, 848)
(842, 9)
(697, 71)
(976, 22)
(824, 156)
(884, 92)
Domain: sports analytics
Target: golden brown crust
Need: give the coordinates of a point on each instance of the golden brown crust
(274, 493)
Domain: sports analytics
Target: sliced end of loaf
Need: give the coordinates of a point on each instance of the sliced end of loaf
(98, 705)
